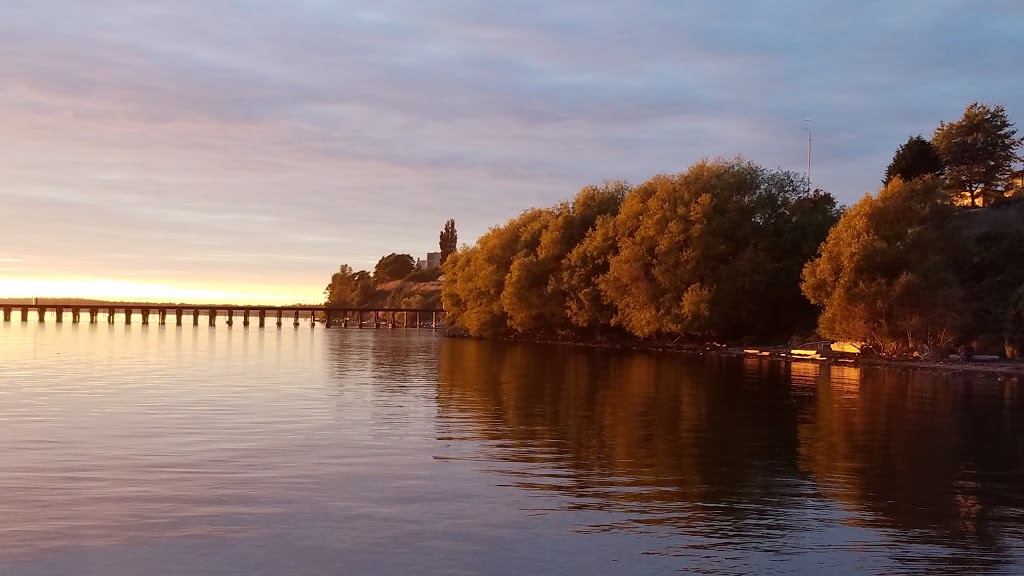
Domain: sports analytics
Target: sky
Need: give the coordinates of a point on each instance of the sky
(203, 150)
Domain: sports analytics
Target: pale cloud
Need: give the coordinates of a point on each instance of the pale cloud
(244, 141)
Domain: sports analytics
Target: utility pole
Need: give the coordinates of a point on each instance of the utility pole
(808, 121)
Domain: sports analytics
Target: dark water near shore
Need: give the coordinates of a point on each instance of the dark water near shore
(164, 450)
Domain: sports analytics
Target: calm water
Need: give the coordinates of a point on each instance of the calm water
(163, 450)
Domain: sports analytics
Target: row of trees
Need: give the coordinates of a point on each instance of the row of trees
(731, 250)
(716, 250)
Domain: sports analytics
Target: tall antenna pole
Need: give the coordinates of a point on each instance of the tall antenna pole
(808, 121)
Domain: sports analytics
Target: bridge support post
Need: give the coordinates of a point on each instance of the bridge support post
(212, 315)
(41, 313)
(7, 313)
(263, 318)
(127, 316)
(359, 318)
(76, 315)
(177, 316)
(195, 317)
(59, 312)
(24, 314)
(376, 319)
(111, 312)
(327, 318)
(296, 324)
(280, 316)
(231, 320)
(145, 316)
(93, 315)
(433, 320)
(312, 319)
(245, 318)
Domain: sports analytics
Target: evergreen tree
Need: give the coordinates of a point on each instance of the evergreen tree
(449, 240)
(918, 157)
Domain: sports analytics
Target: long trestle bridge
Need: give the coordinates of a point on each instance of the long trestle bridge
(329, 316)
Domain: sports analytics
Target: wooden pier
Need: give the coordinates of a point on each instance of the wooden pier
(343, 317)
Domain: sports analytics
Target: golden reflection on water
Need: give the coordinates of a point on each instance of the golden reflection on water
(691, 443)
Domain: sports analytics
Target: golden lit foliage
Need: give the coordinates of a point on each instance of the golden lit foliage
(885, 273)
(717, 250)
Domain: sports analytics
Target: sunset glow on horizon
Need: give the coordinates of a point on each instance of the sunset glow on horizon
(127, 291)
(246, 150)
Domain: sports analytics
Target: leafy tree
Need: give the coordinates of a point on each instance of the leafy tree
(884, 274)
(585, 304)
(715, 250)
(987, 276)
(535, 296)
(978, 151)
(393, 267)
(917, 157)
(1015, 325)
(349, 289)
(449, 240)
(474, 278)
(512, 279)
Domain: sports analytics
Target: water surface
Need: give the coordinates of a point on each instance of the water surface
(197, 450)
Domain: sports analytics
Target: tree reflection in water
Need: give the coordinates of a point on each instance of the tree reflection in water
(744, 452)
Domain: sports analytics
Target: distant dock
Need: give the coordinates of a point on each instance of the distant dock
(344, 317)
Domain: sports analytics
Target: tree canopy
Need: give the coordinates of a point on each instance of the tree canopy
(917, 157)
(978, 150)
(349, 289)
(393, 267)
(716, 250)
(886, 274)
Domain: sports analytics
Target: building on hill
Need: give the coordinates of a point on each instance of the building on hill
(433, 261)
(1014, 189)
